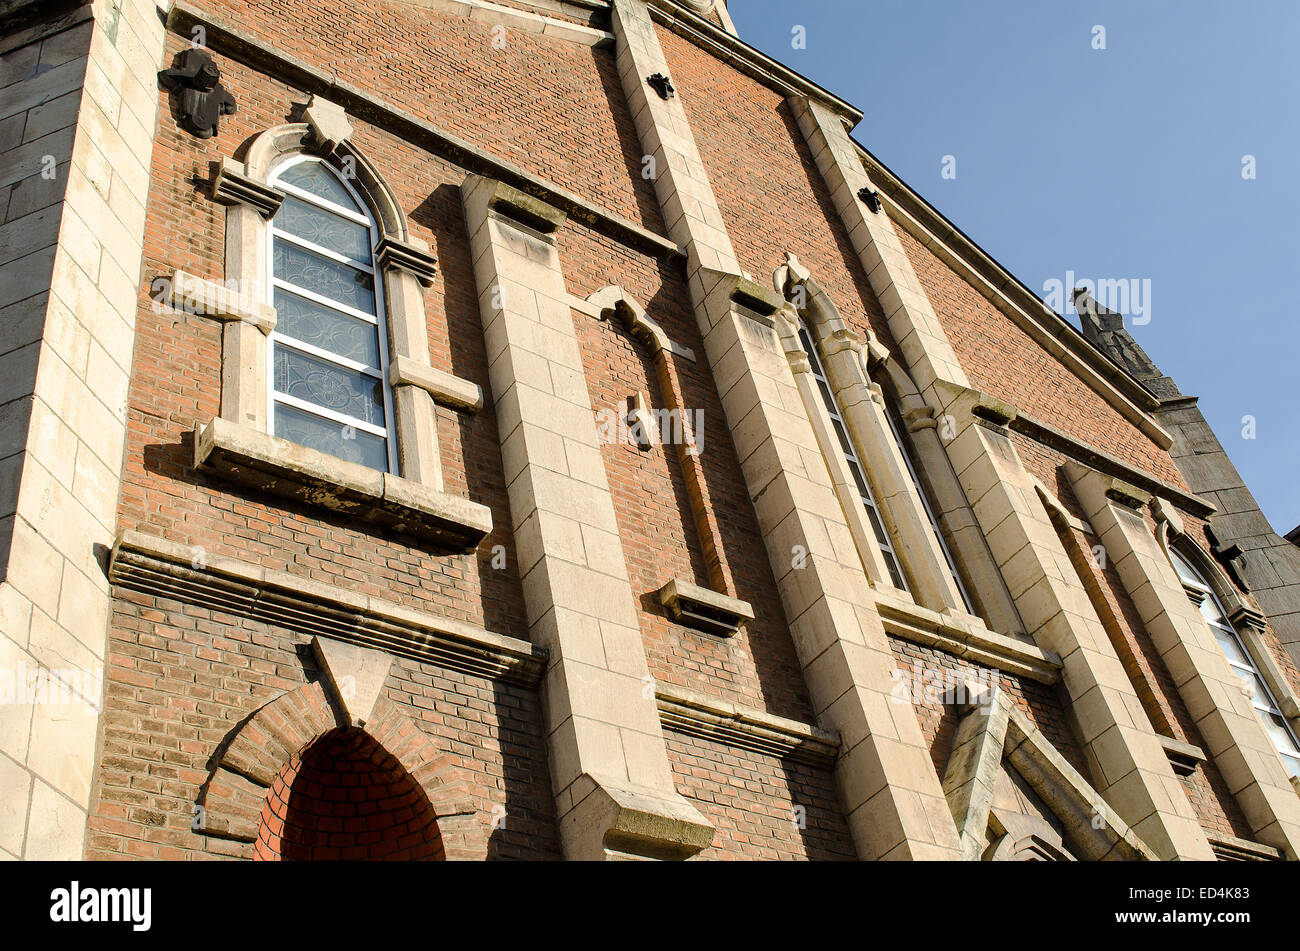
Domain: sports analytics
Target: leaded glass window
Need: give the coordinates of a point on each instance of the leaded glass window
(1241, 663)
(851, 457)
(328, 354)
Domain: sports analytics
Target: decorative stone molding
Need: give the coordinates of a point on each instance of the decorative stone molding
(446, 390)
(1229, 848)
(163, 568)
(195, 295)
(259, 748)
(992, 730)
(279, 467)
(703, 609)
(613, 301)
(966, 637)
(410, 255)
(1183, 757)
(230, 185)
(1233, 734)
(684, 711)
(329, 125)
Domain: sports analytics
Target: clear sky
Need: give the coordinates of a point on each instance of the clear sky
(1118, 163)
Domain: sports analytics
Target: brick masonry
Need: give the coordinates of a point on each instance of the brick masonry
(180, 678)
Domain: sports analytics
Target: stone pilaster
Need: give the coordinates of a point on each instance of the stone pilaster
(892, 795)
(77, 296)
(609, 765)
(1232, 731)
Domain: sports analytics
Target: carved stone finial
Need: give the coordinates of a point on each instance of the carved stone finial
(329, 124)
(201, 100)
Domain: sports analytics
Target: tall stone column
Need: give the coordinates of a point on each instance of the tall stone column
(1245, 755)
(609, 764)
(895, 805)
(1130, 766)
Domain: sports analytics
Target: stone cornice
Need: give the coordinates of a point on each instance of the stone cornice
(1102, 461)
(227, 40)
(685, 711)
(966, 637)
(168, 569)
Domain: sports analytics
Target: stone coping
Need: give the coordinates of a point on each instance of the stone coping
(172, 570)
(276, 466)
(685, 711)
(966, 636)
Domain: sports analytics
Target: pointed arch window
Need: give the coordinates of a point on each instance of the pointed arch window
(328, 355)
(858, 471)
(1240, 660)
(905, 450)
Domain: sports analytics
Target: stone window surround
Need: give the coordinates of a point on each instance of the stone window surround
(861, 401)
(1247, 621)
(405, 267)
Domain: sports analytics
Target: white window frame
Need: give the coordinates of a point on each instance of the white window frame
(379, 318)
(1263, 704)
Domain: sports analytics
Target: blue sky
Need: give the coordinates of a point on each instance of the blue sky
(1122, 163)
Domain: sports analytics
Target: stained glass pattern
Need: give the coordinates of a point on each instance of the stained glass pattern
(326, 329)
(324, 228)
(315, 178)
(326, 435)
(339, 282)
(327, 361)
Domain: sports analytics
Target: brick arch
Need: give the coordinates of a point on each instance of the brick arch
(259, 749)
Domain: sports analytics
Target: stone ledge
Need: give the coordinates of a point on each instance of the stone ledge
(703, 609)
(1183, 757)
(279, 467)
(169, 569)
(196, 295)
(1228, 848)
(446, 390)
(231, 185)
(966, 637)
(411, 256)
(685, 711)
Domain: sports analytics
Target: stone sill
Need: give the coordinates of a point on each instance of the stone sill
(1229, 848)
(705, 610)
(1183, 757)
(966, 636)
(279, 467)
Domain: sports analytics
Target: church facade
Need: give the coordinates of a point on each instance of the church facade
(538, 429)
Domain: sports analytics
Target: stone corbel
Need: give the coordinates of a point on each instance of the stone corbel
(411, 256)
(231, 185)
(446, 389)
(960, 400)
(194, 295)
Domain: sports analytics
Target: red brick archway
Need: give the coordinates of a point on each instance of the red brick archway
(286, 731)
(345, 797)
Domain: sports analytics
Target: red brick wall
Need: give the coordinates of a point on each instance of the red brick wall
(346, 798)
(1001, 359)
(769, 191)
(762, 807)
(182, 677)
(553, 107)
(758, 667)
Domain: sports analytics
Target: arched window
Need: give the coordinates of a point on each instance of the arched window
(851, 457)
(906, 451)
(1239, 660)
(328, 354)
